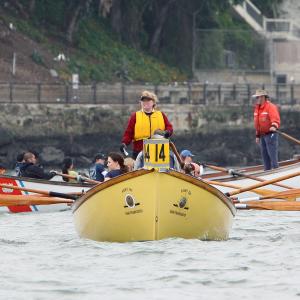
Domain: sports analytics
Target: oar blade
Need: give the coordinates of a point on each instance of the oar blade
(15, 200)
(271, 205)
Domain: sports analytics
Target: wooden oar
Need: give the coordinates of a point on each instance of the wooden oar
(42, 192)
(271, 205)
(271, 181)
(263, 192)
(173, 147)
(79, 178)
(234, 172)
(278, 195)
(287, 136)
(13, 200)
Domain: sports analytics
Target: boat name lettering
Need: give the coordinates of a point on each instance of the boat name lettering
(127, 189)
(7, 190)
(186, 191)
(178, 213)
(133, 212)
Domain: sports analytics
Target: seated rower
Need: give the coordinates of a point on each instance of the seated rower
(2, 169)
(31, 170)
(129, 162)
(97, 170)
(190, 167)
(67, 169)
(115, 165)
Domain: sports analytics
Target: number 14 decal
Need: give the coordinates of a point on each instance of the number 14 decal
(161, 154)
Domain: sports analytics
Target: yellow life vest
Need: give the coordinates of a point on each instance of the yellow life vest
(145, 125)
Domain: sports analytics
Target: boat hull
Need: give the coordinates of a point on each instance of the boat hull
(240, 181)
(148, 205)
(44, 185)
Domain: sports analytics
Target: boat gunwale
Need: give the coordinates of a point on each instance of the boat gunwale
(251, 170)
(210, 188)
(45, 181)
(140, 172)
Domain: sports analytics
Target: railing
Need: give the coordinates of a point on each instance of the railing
(254, 12)
(281, 27)
(119, 93)
(278, 25)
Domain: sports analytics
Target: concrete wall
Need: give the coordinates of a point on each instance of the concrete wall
(223, 134)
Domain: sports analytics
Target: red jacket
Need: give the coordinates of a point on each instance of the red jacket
(128, 136)
(265, 116)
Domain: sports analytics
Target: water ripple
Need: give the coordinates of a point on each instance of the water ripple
(43, 258)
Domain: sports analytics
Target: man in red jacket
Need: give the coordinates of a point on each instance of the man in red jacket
(143, 123)
(266, 122)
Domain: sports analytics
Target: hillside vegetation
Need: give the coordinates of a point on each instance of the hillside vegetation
(107, 40)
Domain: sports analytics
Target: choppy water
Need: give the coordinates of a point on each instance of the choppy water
(43, 258)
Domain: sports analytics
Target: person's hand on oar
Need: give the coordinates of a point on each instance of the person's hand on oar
(79, 178)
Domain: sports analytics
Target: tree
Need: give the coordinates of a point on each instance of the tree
(161, 18)
(76, 9)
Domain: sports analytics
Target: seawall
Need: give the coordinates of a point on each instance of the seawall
(220, 134)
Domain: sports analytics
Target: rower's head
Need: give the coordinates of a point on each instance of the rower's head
(29, 157)
(260, 96)
(115, 161)
(186, 156)
(2, 169)
(68, 163)
(99, 158)
(148, 101)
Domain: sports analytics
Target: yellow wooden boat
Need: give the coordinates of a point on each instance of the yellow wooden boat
(148, 205)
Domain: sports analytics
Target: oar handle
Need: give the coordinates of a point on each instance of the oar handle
(176, 154)
(78, 178)
(47, 193)
(63, 195)
(267, 182)
(13, 187)
(214, 167)
(287, 136)
(273, 205)
(12, 200)
(233, 172)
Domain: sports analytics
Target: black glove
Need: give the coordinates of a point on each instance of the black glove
(167, 134)
(164, 133)
(123, 147)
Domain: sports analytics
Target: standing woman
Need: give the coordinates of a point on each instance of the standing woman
(67, 169)
(143, 123)
(115, 165)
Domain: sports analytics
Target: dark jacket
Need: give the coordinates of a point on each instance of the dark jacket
(95, 172)
(32, 171)
(18, 167)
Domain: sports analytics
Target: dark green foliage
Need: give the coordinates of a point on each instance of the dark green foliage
(114, 45)
(37, 58)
